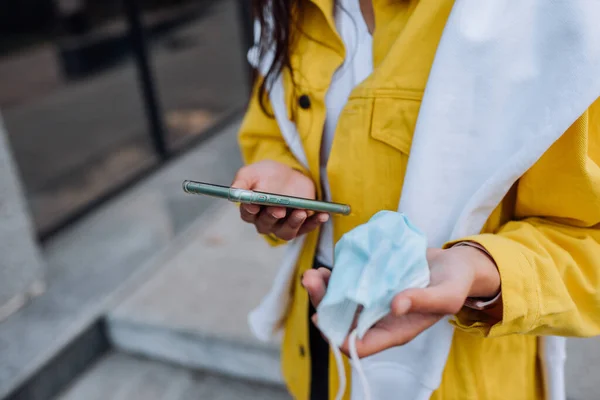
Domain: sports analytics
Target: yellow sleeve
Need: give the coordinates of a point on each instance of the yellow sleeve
(260, 139)
(549, 258)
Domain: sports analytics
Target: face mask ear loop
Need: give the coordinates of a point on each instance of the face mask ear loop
(339, 364)
(357, 365)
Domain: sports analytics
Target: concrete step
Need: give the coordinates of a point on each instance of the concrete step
(193, 310)
(123, 377)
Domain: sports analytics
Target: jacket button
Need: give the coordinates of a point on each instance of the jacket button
(304, 102)
(302, 351)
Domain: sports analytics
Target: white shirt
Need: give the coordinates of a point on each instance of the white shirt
(352, 28)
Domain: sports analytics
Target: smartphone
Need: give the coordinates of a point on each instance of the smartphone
(264, 199)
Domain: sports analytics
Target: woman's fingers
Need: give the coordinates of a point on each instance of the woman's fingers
(313, 223)
(274, 177)
(267, 218)
(288, 228)
(373, 342)
(249, 212)
(246, 179)
(326, 274)
(391, 332)
(315, 283)
(284, 223)
(440, 299)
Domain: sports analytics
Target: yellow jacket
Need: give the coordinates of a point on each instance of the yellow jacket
(544, 236)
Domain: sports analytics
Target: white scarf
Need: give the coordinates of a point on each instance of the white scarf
(508, 80)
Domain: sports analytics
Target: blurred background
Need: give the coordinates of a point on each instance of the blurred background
(114, 284)
(93, 93)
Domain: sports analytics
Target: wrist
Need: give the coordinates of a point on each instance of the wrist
(486, 277)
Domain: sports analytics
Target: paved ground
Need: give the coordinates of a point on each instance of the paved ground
(121, 377)
(77, 141)
(583, 369)
(193, 310)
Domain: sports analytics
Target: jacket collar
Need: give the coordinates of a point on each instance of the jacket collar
(326, 8)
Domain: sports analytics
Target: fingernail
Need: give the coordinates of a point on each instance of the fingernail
(252, 210)
(300, 217)
(402, 306)
(323, 217)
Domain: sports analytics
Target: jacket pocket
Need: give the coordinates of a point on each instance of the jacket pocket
(393, 121)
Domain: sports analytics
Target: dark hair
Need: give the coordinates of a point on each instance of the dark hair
(279, 22)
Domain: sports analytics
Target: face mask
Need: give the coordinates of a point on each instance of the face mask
(373, 263)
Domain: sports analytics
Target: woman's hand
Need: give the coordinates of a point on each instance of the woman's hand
(456, 274)
(274, 177)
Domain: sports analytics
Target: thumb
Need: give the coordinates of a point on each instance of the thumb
(245, 178)
(315, 283)
(439, 299)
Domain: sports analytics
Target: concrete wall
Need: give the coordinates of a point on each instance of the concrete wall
(21, 266)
